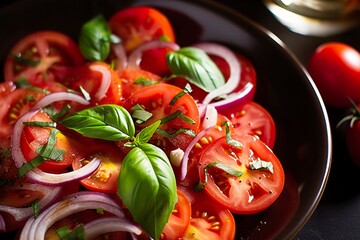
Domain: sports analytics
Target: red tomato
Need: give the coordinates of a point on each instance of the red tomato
(252, 118)
(156, 99)
(154, 60)
(209, 220)
(179, 219)
(90, 77)
(136, 25)
(34, 137)
(104, 179)
(255, 189)
(335, 69)
(42, 56)
(128, 77)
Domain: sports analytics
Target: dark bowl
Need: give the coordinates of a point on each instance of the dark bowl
(303, 141)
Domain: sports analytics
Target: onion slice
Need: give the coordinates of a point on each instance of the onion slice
(35, 228)
(60, 96)
(234, 64)
(2, 224)
(185, 160)
(210, 118)
(104, 225)
(120, 54)
(50, 194)
(105, 80)
(36, 174)
(136, 56)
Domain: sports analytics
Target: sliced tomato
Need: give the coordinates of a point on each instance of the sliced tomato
(209, 220)
(129, 76)
(34, 137)
(97, 79)
(136, 25)
(157, 99)
(255, 188)
(179, 219)
(104, 179)
(252, 118)
(42, 56)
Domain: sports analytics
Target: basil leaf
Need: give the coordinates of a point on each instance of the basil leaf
(147, 187)
(108, 122)
(262, 165)
(95, 39)
(146, 133)
(197, 67)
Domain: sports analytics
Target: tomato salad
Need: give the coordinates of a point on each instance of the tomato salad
(128, 134)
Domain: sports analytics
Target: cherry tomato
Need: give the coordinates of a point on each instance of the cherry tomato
(256, 188)
(157, 99)
(252, 118)
(209, 220)
(179, 219)
(128, 77)
(136, 25)
(42, 56)
(90, 77)
(335, 69)
(104, 179)
(33, 137)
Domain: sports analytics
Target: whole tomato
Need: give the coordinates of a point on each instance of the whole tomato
(335, 69)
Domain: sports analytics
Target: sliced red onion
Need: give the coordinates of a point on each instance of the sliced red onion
(234, 64)
(2, 224)
(60, 96)
(104, 225)
(184, 162)
(136, 56)
(210, 118)
(36, 174)
(35, 228)
(120, 54)
(50, 194)
(105, 80)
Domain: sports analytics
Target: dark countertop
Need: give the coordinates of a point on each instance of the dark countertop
(338, 213)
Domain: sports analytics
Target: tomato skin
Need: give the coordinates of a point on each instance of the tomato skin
(104, 179)
(254, 190)
(335, 69)
(136, 25)
(55, 51)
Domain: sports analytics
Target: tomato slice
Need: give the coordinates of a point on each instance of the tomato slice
(209, 220)
(34, 136)
(136, 25)
(104, 179)
(254, 119)
(42, 56)
(179, 219)
(256, 188)
(157, 99)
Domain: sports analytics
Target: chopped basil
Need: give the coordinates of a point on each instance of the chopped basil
(197, 67)
(229, 140)
(85, 93)
(33, 163)
(35, 206)
(77, 233)
(24, 61)
(172, 135)
(200, 186)
(186, 90)
(140, 114)
(262, 165)
(22, 82)
(40, 124)
(177, 114)
(144, 82)
(95, 38)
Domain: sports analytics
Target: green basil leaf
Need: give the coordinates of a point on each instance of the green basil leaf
(197, 67)
(147, 187)
(95, 38)
(108, 122)
(262, 165)
(146, 133)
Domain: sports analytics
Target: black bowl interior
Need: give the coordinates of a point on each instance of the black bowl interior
(303, 141)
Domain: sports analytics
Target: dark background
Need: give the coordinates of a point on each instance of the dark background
(338, 214)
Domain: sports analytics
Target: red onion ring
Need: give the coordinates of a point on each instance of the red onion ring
(210, 118)
(50, 194)
(184, 162)
(105, 80)
(109, 224)
(35, 228)
(136, 56)
(60, 96)
(120, 54)
(234, 64)
(36, 174)
(2, 224)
